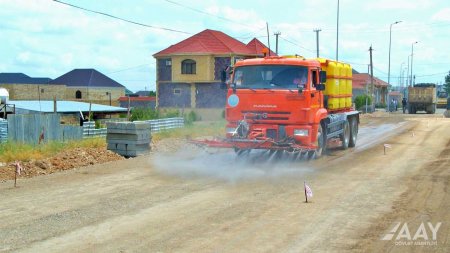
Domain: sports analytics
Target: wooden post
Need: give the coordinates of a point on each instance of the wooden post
(15, 177)
(304, 187)
(128, 109)
(90, 106)
(55, 109)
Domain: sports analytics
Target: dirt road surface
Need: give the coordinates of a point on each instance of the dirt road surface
(192, 201)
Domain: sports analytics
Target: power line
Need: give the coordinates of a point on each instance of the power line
(296, 44)
(207, 13)
(129, 68)
(122, 19)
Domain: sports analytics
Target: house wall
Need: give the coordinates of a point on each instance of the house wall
(167, 97)
(204, 68)
(95, 94)
(200, 90)
(34, 91)
(220, 63)
(138, 104)
(209, 95)
(164, 69)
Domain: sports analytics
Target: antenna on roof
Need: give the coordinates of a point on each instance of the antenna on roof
(268, 36)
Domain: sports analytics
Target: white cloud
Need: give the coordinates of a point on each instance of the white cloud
(399, 4)
(24, 57)
(442, 15)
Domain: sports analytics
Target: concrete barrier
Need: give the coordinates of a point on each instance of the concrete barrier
(129, 139)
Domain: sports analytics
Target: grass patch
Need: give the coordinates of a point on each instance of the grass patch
(197, 129)
(11, 151)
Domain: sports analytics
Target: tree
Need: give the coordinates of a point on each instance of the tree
(152, 93)
(447, 83)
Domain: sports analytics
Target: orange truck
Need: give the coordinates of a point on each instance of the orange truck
(289, 104)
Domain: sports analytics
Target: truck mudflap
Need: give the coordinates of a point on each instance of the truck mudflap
(246, 144)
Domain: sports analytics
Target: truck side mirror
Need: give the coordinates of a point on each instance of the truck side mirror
(223, 76)
(320, 86)
(323, 76)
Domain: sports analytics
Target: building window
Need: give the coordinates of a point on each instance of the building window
(78, 94)
(176, 91)
(42, 90)
(188, 67)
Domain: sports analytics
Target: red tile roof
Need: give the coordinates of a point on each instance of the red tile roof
(125, 98)
(359, 81)
(207, 42)
(256, 46)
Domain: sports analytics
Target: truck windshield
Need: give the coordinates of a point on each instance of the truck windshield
(442, 94)
(270, 77)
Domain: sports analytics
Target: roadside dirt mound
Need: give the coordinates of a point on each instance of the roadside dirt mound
(65, 160)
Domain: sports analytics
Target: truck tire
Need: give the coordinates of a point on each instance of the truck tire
(320, 143)
(353, 131)
(410, 109)
(345, 137)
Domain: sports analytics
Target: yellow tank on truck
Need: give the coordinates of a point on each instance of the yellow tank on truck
(338, 87)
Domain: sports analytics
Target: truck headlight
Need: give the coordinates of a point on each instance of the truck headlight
(301, 132)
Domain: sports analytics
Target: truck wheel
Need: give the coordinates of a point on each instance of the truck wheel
(410, 109)
(353, 132)
(345, 137)
(320, 143)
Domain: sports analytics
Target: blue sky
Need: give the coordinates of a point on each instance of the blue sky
(43, 38)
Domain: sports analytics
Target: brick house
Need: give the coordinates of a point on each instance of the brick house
(188, 73)
(24, 87)
(361, 82)
(89, 85)
(84, 85)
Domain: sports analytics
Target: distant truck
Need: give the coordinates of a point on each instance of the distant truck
(422, 97)
(442, 99)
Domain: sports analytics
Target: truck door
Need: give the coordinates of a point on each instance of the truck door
(315, 95)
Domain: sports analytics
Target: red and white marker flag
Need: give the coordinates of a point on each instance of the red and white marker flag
(308, 191)
(19, 168)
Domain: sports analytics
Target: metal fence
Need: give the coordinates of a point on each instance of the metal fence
(3, 130)
(30, 127)
(34, 128)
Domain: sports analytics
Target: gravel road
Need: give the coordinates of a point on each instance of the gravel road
(191, 201)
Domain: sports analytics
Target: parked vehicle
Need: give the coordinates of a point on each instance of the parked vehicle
(422, 97)
(442, 99)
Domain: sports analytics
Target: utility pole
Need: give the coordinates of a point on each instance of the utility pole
(390, 40)
(412, 53)
(337, 33)
(317, 40)
(268, 36)
(371, 74)
(276, 41)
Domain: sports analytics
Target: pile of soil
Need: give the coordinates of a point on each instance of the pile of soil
(65, 160)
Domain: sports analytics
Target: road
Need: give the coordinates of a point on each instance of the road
(191, 201)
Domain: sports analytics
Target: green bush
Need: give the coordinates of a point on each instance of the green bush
(171, 114)
(360, 101)
(190, 118)
(380, 105)
(143, 114)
